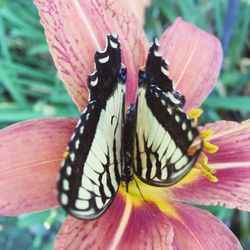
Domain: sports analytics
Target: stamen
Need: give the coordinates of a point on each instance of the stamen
(192, 149)
(65, 154)
(209, 175)
(206, 133)
(195, 114)
(206, 170)
(210, 148)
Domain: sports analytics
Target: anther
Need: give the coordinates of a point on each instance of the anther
(210, 148)
(195, 114)
(206, 133)
(206, 170)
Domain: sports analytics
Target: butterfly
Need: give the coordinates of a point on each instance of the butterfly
(111, 144)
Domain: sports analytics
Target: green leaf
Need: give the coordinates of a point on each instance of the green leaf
(7, 80)
(229, 103)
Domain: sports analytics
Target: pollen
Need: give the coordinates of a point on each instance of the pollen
(65, 154)
(195, 114)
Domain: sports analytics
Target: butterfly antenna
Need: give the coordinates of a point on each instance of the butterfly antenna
(137, 185)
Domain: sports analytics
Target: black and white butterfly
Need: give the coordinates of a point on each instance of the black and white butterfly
(111, 144)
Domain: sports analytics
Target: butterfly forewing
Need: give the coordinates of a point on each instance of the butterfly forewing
(163, 131)
(91, 171)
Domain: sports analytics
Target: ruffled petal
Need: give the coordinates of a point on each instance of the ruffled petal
(30, 157)
(76, 29)
(232, 162)
(121, 227)
(195, 59)
(198, 229)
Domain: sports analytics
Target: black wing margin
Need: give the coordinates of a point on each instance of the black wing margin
(91, 171)
(164, 133)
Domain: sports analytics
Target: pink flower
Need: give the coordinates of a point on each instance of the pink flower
(136, 6)
(31, 151)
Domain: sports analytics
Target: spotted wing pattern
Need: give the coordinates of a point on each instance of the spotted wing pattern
(91, 172)
(163, 131)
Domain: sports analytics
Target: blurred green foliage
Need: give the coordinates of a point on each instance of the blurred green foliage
(30, 88)
(231, 98)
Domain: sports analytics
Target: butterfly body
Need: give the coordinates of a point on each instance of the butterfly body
(128, 150)
(110, 144)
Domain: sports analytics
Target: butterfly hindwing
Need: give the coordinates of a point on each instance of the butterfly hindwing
(91, 171)
(163, 131)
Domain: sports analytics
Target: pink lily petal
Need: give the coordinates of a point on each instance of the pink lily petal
(195, 59)
(83, 234)
(76, 29)
(232, 162)
(125, 226)
(198, 229)
(136, 6)
(121, 227)
(233, 140)
(31, 153)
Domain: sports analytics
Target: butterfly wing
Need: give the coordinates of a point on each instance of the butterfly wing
(91, 171)
(163, 133)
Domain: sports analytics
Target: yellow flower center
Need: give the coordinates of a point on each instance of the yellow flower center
(140, 192)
